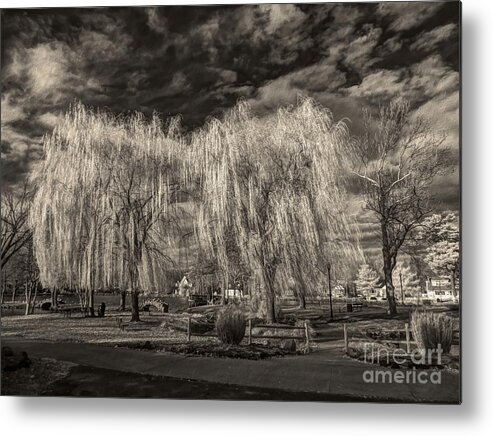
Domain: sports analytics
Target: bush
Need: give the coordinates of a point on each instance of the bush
(230, 325)
(432, 329)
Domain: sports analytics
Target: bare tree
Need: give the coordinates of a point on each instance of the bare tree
(15, 230)
(397, 158)
(31, 278)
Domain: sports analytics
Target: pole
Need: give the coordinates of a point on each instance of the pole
(402, 290)
(346, 339)
(249, 332)
(330, 293)
(188, 329)
(408, 339)
(307, 335)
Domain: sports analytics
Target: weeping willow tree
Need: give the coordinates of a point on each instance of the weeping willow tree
(103, 213)
(273, 188)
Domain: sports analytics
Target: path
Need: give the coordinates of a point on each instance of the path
(325, 371)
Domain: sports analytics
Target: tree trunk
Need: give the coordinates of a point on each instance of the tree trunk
(390, 291)
(330, 291)
(402, 289)
(388, 267)
(14, 288)
(28, 300)
(54, 298)
(134, 297)
(33, 302)
(4, 287)
(270, 299)
(123, 299)
(302, 300)
(91, 303)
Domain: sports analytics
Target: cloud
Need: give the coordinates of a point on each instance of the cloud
(427, 41)
(199, 61)
(431, 77)
(406, 15)
(50, 119)
(319, 78)
(420, 81)
(358, 53)
(156, 22)
(442, 113)
(10, 111)
(380, 84)
(47, 68)
(283, 18)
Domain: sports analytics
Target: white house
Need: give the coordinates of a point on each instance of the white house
(439, 289)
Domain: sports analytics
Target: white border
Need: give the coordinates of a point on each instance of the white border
(32, 416)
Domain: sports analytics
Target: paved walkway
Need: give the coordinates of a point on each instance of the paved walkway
(324, 371)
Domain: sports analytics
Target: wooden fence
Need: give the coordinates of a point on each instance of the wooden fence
(305, 335)
(407, 332)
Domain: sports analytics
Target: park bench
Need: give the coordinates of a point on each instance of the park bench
(70, 310)
(354, 307)
(121, 324)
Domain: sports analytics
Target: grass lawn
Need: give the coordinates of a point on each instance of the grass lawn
(56, 328)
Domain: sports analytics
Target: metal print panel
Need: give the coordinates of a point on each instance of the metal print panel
(255, 202)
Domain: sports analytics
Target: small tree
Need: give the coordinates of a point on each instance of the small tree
(439, 234)
(15, 230)
(444, 259)
(406, 280)
(367, 279)
(396, 160)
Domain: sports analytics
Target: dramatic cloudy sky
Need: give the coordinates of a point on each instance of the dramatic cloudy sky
(197, 61)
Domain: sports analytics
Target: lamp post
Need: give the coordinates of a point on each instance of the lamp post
(402, 290)
(330, 292)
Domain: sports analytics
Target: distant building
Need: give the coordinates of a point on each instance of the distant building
(339, 291)
(377, 293)
(183, 287)
(439, 289)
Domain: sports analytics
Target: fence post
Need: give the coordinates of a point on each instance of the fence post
(346, 339)
(249, 332)
(189, 333)
(307, 335)
(408, 339)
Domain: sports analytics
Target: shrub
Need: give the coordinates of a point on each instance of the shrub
(230, 325)
(431, 329)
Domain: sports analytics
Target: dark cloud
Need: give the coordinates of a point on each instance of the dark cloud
(198, 61)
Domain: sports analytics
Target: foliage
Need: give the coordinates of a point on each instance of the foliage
(272, 189)
(440, 227)
(405, 279)
(367, 279)
(431, 329)
(105, 192)
(442, 255)
(443, 258)
(231, 325)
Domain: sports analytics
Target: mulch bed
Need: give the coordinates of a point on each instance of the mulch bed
(208, 349)
(448, 362)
